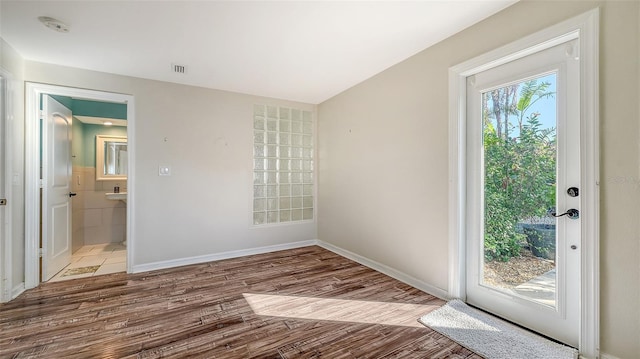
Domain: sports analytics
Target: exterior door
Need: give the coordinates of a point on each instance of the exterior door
(56, 196)
(523, 178)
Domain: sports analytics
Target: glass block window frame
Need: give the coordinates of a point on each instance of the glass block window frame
(283, 151)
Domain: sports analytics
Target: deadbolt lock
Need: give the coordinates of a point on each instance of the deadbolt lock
(3, 201)
(573, 192)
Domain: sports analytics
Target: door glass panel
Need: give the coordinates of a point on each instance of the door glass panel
(519, 147)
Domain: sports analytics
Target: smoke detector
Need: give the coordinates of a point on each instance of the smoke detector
(54, 24)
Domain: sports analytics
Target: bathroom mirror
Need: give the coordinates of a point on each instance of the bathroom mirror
(111, 158)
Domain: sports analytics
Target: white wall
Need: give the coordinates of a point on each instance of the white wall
(204, 207)
(14, 64)
(383, 158)
(620, 179)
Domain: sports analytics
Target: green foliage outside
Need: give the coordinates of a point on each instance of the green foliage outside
(520, 166)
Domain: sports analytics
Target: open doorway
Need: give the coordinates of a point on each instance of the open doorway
(79, 160)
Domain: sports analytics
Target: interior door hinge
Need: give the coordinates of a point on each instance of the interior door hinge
(41, 183)
(40, 252)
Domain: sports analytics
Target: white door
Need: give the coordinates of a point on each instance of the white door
(3, 192)
(56, 197)
(523, 162)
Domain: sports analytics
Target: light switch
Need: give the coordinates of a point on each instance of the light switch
(164, 170)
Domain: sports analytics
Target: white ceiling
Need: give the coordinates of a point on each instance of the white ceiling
(302, 51)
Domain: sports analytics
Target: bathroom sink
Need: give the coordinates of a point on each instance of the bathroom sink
(121, 196)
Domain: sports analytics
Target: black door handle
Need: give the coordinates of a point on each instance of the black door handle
(571, 213)
(71, 194)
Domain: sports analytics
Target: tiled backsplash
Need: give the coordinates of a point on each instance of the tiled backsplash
(95, 218)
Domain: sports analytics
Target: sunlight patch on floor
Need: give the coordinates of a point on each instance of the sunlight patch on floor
(342, 310)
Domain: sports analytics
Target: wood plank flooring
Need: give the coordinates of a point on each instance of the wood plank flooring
(300, 303)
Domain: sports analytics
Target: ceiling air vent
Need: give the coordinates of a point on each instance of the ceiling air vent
(179, 69)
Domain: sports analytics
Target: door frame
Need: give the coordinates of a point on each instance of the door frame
(6, 121)
(33, 93)
(584, 27)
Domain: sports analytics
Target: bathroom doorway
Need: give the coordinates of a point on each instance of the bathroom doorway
(85, 231)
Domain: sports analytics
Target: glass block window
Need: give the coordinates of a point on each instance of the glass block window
(282, 165)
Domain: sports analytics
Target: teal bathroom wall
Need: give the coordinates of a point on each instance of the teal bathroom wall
(77, 143)
(99, 109)
(89, 134)
(93, 108)
(83, 145)
(64, 100)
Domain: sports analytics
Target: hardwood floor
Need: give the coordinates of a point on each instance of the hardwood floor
(300, 303)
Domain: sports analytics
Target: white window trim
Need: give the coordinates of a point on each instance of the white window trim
(584, 27)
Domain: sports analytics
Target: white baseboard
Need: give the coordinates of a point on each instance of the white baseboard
(17, 290)
(607, 356)
(393, 273)
(219, 256)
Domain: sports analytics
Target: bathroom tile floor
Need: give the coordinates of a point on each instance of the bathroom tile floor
(94, 260)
